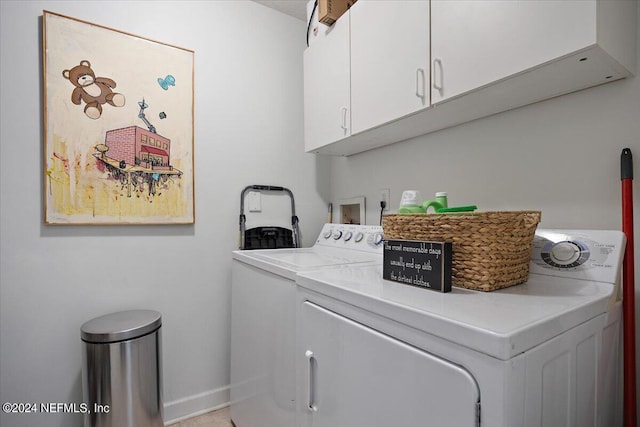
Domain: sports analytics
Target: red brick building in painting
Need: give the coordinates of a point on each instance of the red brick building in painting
(136, 146)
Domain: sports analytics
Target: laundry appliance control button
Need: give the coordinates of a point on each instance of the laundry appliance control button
(565, 252)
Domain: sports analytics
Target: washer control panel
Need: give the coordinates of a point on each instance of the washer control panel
(582, 254)
(363, 237)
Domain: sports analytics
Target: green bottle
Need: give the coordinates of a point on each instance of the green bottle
(440, 202)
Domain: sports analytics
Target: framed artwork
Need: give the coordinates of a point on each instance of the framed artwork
(118, 126)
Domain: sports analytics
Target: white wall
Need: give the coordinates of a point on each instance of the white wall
(561, 156)
(248, 130)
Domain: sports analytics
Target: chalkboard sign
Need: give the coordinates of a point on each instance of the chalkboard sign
(423, 264)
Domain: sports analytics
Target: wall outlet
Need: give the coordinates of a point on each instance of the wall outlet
(384, 195)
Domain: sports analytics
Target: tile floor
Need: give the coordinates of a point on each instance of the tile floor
(219, 418)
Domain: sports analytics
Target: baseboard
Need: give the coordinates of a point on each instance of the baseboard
(195, 405)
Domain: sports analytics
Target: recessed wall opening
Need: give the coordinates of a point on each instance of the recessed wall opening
(352, 211)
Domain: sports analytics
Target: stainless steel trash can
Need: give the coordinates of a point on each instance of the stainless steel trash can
(122, 370)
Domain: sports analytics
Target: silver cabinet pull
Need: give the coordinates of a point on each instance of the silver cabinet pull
(311, 405)
(437, 75)
(420, 84)
(344, 119)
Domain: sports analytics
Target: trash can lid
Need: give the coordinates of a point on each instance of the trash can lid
(121, 326)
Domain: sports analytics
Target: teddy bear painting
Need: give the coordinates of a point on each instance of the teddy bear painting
(94, 91)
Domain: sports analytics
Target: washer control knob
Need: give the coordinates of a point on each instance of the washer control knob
(337, 235)
(565, 252)
(377, 239)
(359, 237)
(347, 236)
(327, 234)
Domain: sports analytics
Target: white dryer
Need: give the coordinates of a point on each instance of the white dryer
(263, 318)
(377, 353)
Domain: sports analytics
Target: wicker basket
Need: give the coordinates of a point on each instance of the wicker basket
(491, 250)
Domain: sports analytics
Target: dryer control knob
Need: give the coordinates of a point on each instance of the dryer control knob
(359, 237)
(378, 239)
(347, 236)
(337, 235)
(327, 234)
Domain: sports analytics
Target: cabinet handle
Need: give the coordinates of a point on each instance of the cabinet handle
(437, 81)
(311, 405)
(420, 84)
(344, 119)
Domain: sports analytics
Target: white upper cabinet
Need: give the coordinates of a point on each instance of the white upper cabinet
(389, 61)
(480, 42)
(481, 57)
(327, 105)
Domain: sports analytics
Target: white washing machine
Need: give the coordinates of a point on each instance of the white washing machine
(263, 318)
(377, 353)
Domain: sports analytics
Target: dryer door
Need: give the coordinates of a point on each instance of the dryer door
(352, 375)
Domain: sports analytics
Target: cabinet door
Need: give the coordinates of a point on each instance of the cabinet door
(326, 87)
(389, 61)
(356, 376)
(477, 42)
